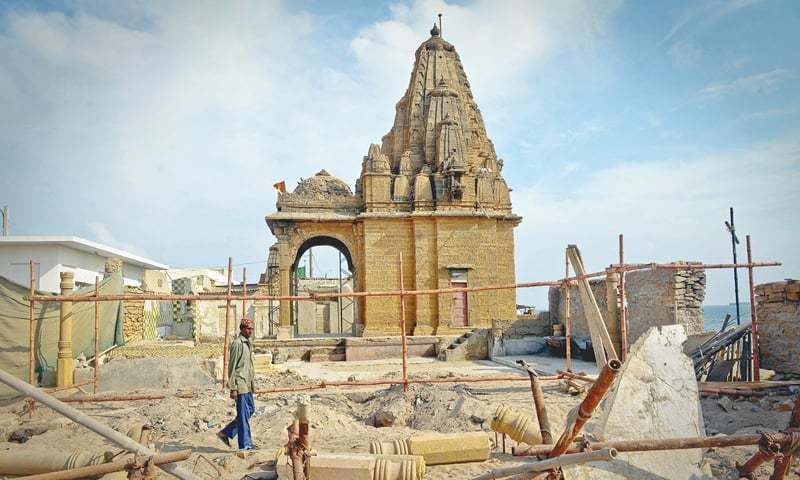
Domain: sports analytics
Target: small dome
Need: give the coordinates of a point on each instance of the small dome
(323, 184)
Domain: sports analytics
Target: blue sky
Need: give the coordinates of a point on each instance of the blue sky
(160, 127)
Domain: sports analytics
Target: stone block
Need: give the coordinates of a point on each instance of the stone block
(656, 396)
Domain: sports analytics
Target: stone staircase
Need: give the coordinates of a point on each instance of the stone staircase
(472, 345)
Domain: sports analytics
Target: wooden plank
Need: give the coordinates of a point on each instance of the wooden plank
(601, 340)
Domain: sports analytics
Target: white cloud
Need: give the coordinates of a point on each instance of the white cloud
(753, 84)
(668, 209)
(685, 54)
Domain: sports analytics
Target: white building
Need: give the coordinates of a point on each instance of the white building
(56, 254)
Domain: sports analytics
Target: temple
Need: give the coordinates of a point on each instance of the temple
(433, 192)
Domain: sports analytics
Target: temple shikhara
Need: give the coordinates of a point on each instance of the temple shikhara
(433, 191)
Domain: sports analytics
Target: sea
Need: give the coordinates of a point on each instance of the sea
(714, 315)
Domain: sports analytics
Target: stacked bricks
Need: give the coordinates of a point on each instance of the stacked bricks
(133, 315)
(778, 309)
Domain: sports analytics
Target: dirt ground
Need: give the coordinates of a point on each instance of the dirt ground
(342, 419)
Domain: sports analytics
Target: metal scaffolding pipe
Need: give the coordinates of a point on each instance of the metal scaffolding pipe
(587, 406)
(106, 468)
(783, 463)
(404, 341)
(605, 454)
(753, 314)
(90, 423)
(227, 327)
(648, 445)
(538, 403)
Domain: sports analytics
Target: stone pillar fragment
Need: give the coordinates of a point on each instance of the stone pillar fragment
(64, 374)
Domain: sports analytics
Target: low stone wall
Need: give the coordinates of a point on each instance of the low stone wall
(520, 336)
(778, 310)
(133, 315)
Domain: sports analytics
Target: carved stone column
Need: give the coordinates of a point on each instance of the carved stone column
(64, 372)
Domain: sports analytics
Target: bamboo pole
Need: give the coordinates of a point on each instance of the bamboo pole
(93, 425)
(96, 335)
(587, 406)
(753, 314)
(227, 327)
(403, 328)
(95, 471)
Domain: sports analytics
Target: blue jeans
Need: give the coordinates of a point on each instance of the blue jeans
(245, 406)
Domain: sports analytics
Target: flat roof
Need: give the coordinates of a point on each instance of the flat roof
(84, 245)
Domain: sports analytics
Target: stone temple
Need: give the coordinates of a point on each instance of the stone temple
(433, 191)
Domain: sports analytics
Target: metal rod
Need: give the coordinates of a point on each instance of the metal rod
(362, 383)
(95, 471)
(623, 321)
(403, 328)
(768, 448)
(575, 376)
(96, 336)
(538, 403)
(753, 314)
(90, 423)
(122, 398)
(647, 445)
(605, 454)
(783, 463)
(567, 333)
(244, 292)
(587, 406)
(388, 293)
(68, 387)
(32, 344)
(227, 326)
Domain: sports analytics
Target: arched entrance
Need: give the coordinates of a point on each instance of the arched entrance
(323, 264)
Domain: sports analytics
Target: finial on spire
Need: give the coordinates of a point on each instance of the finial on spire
(434, 30)
(440, 24)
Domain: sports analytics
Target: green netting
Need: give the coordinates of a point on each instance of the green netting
(15, 327)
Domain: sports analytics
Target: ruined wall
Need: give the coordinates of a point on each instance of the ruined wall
(664, 297)
(653, 297)
(577, 317)
(778, 310)
(520, 336)
(133, 315)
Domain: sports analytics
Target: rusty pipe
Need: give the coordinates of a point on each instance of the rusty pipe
(605, 454)
(648, 445)
(575, 376)
(587, 406)
(768, 448)
(538, 403)
(225, 340)
(783, 462)
(753, 314)
(122, 398)
(94, 471)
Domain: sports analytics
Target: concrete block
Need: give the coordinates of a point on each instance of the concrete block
(656, 397)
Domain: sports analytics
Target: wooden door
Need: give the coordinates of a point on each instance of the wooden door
(460, 306)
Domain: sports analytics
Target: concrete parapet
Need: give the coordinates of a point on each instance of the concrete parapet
(439, 449)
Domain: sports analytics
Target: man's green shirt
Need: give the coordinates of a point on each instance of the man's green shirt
(240, 365)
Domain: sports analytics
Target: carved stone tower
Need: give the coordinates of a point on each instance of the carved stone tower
(432, 190)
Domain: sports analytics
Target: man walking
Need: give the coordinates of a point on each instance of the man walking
(240, 383)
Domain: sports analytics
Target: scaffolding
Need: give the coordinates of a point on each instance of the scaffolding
(619, 268)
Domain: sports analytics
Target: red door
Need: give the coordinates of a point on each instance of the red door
(460, 307)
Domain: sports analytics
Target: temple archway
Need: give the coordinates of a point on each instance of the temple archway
(323, 264)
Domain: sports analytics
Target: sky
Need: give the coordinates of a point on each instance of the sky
(160, 127)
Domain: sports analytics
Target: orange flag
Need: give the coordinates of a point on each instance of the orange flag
(280, 186)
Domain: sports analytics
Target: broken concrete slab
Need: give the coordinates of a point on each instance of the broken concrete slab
(656, 396)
